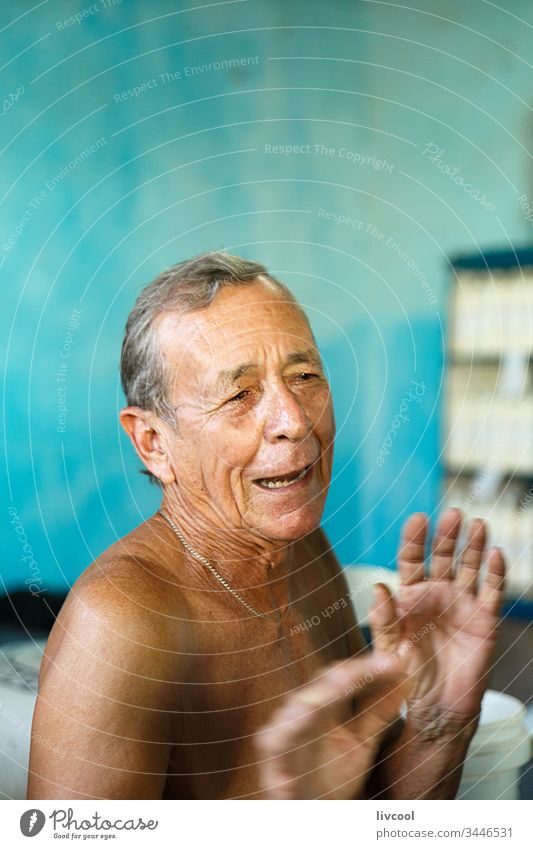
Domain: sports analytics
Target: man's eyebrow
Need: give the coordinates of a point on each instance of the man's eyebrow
(229, 376)
(310, 355)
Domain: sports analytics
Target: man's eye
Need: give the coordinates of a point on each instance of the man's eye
(239, 397)
(305, 375)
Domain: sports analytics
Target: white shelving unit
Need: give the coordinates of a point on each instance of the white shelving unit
(488, 434)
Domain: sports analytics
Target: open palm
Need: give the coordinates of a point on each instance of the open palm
(450, 617)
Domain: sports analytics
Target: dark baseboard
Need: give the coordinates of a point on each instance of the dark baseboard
(28, 615)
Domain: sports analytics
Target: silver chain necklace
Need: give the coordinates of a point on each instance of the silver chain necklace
(215, 572)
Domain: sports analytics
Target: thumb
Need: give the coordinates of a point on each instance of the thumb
(384, 620)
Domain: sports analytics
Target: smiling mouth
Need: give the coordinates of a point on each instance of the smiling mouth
(283, 482)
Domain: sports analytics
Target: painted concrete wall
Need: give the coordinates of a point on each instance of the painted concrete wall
(130, 142)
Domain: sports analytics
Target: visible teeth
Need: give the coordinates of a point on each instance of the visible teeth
(279, 483)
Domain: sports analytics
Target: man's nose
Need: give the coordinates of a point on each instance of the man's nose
(286, 417)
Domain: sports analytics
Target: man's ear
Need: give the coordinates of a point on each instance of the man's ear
(146, 433)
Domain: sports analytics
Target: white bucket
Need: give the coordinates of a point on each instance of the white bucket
(500, 747)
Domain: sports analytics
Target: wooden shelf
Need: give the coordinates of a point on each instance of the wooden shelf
(488, 458)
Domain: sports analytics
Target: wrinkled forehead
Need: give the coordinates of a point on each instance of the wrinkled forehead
(243, 320)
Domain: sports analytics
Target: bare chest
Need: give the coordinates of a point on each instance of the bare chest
(239, 673)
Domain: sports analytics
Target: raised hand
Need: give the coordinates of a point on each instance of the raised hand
(449, 616)
(314, 747)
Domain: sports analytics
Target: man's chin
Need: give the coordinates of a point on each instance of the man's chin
(292, 527)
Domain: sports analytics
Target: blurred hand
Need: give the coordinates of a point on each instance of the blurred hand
(314, 747)
(450, 618)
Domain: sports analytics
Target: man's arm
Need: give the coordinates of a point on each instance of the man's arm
(425, 761)
(103, 722)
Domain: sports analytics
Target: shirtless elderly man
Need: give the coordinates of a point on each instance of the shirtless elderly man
(176, 668)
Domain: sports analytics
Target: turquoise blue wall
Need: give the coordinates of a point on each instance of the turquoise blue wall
(182, 168)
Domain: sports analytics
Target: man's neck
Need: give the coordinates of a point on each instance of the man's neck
(246, 560)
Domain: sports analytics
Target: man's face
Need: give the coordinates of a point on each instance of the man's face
(254, 413)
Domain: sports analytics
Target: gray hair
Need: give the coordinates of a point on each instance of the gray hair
(185, 287)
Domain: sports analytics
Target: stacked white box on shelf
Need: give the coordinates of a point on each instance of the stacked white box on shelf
(483, 426)
(493, 313)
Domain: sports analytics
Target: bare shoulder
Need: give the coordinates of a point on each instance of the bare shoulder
(128, 593)
(105, 717)
(143, 562)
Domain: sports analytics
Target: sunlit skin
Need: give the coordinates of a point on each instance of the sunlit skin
(156, 681)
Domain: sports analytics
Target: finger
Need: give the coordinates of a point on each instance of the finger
(491, 590)
(360, 739)
(355, 675)
(315, 706)
(380, 705)
(277, 779)
(444, 541)
(411, 554)
(290, 724)
(421, 601)
(336, 762)
(384, 622)
(472, 556)
(291, 744)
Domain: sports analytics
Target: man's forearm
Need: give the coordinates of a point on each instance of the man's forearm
(426, 759)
